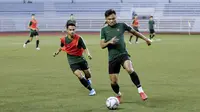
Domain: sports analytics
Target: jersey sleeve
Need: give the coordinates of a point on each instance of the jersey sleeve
(81, 43)
(127, 27)
(102, 34)
(62, 42)
(30, 23)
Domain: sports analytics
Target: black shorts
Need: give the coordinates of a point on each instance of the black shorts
(83, 65)
(33, 33)
(136, 29)
(115, 65)
(151, 31)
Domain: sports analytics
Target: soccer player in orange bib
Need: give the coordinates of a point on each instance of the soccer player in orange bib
(135, 25)
(33, 32)
(73, 44)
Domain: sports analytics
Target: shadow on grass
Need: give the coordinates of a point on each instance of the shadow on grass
(155, 102)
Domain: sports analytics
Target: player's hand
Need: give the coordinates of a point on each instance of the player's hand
(148, 41)
(89, 56)
(54, 54)
(114, 40)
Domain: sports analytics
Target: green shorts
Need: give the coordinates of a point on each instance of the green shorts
(33, 33)
(83, 65)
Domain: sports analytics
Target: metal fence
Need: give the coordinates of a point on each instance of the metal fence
(57, 24)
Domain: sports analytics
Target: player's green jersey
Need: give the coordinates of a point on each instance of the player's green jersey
(75, 59)
(108, 32)
(151, 24)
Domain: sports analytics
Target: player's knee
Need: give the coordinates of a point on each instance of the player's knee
(88, 75)
(129, 70)
(78, 74)
(113, 82)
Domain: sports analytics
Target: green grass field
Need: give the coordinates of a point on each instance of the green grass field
(34, 81)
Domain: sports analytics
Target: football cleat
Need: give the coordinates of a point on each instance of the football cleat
(92, 92)
(143, 96)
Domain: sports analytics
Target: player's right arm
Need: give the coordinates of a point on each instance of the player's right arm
(30, 23)
(59, 49)
(103, 43)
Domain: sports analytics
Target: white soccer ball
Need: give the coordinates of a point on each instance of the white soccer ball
(112, 103)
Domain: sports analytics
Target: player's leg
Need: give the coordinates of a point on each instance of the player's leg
(87, 73)
(89, 81)
(78, 72)
(150, 34)
(29, 40)
(37, 40)
(153, 33)
(114, 69)
(131, 36)
(136, 40)
(127, 64)
(85, 68)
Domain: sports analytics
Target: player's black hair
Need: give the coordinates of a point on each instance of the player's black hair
(32, 14)
(70, 23)
(151, 16)
(109, 12)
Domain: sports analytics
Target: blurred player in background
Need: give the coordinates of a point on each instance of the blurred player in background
(112, 37)
(135, 25)
(33, 32)
(151, 28)
(72, 18)
(74, 46)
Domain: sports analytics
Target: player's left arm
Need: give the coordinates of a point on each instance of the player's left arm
(86, 50)
(154, 23)
(137, 34)
(37, 28)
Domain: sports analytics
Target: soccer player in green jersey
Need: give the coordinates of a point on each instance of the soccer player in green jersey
(112, 37)
(74, 46)
(151, 28)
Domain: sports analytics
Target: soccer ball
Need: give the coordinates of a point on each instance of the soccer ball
(112, 103)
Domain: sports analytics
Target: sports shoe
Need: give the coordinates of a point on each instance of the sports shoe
(143, 96)
(92, 92)
(129, 42)
(24, 46)
(38, 48)
(119, 95)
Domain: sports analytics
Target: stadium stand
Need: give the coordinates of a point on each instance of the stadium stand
(182, 9)
(52, 15)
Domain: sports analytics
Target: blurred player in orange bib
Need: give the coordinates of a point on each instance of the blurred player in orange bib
(33, 32)
(135, 25)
